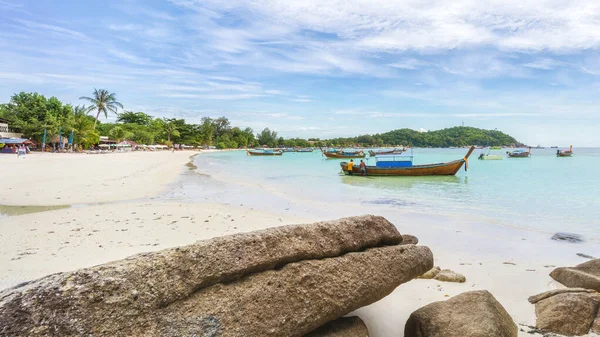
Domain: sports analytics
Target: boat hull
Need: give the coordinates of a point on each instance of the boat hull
(562, 154)
(491, 157)
(519, 155)
(251, 153)
(335, 155)
(441, 169)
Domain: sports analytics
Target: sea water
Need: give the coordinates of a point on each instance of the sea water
(542, 193)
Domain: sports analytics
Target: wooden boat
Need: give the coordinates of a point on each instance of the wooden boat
(487, 155)
(268, 152)
(341, 154)
(399, 165)
(565, 153)
(519, 154)
(380, 152)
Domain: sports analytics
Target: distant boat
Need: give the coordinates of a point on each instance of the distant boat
(265, 152)
(554, 147)
(568, 153)
(307, 149)
(401, 165)
(488, 156)
(519, 154)
(496, 148)
(344, 154)
(373, 153)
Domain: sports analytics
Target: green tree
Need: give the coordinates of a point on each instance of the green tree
(83, 127)
(119, 134)
(170, 128)
(103, 102)
(267, 137)
(130, 117)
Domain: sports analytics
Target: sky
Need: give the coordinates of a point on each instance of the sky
(314, 68)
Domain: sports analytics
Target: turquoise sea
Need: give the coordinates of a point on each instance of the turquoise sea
(541, 193)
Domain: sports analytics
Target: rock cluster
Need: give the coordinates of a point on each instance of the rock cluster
(445, 275)
(585, 275)
(573, 311)
(473, 314)
(570, 312)
(285, 281)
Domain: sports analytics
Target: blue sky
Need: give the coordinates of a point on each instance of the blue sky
(315, 68)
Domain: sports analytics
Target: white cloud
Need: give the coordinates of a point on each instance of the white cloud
(544, 64)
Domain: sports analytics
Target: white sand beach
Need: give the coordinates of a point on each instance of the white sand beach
(43, 179)
(512, 264)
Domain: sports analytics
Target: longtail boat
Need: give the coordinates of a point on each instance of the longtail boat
(341, 154)
(519, 154)
(401, 165)
(565, 153)
(487, 155)
(266, 152)
(373, 153)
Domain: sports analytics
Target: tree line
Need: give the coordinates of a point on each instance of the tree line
(32, 113)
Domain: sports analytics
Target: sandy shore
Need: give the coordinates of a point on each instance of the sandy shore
(512, 264)
(63, 179)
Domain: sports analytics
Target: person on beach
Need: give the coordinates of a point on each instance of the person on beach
(363, 168)
(350, 166)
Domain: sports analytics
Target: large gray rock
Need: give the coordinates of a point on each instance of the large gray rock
(285, 281)
(342, 327)
(585, 275)
(473, 314)
(568, 312)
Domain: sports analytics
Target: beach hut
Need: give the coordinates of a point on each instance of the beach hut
(10, 145)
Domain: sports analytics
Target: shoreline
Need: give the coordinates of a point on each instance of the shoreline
(491, 256)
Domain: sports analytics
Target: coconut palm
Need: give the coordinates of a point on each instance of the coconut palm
(83, 126)
(103, 102)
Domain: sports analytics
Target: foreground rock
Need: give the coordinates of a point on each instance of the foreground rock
(568, 312)
(448, 275)
(585, 275)
(285, 281)
(408, 239)
(342, 327)
(431, 273)
(473, 314)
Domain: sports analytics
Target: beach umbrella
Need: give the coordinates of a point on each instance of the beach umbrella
(44, 140)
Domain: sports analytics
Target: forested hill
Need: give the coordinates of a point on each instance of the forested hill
(456, 136)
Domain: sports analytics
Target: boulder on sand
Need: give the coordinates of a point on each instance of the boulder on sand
(342, 327)
(448, 275)
(431, 273)
(569, 312)
(285, 281)
(473, 314)
(585, 275)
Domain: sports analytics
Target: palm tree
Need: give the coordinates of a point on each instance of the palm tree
(103, 102)
(83, 126)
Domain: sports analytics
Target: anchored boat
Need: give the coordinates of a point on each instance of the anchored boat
(519, 154)
(402, 165)
(266, 152)
(565, 153)
(487, 155)
(343, 154)
(374, 153)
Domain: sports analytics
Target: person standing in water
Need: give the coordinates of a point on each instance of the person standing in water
(350, 166)
(363, 168)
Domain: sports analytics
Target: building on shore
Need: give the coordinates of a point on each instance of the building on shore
(7, 132)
